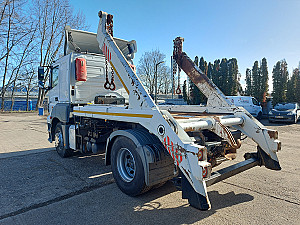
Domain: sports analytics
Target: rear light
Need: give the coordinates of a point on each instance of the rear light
(204, 172)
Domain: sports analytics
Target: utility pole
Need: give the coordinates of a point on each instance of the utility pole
(155, 91)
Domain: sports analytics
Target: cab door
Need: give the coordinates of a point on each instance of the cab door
(64, 81)
(54, 85)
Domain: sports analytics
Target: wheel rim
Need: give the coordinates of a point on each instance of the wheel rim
(58, 140)
(126, 164)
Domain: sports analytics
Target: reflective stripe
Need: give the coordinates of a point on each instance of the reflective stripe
(117, 114)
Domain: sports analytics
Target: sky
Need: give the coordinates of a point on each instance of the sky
(215, 29)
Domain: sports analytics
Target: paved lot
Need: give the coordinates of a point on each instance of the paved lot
(38, 187)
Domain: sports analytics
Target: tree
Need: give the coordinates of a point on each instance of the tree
(280, 78)
(291, 94)
(210, 70)
(264, 87)
(249, 85)
(14, 29)
(196, 97)
(32, 33)
(297, 89)
(29, 81)
(222, 77)
(146, 71)
(257, 80)
(216, 68)
(233, 77)
(52, 17)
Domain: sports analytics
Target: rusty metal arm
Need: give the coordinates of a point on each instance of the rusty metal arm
(215, 96)
(266, 139)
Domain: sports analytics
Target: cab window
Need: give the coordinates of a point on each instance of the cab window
(54, 76)
(254, 101)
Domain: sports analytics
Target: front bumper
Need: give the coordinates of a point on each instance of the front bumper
(285, 118)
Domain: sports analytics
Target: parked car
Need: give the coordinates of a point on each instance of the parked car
(249, 103)
(288, 112)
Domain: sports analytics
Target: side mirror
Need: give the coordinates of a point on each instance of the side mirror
(41, 77)
(41, 73)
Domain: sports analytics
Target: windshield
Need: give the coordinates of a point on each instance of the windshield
(287, 106)
(254, 101)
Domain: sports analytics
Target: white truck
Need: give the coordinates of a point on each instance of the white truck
(96, 98)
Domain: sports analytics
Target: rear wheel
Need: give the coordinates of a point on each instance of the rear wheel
(259, 116)
(59, 142)
(127, 167)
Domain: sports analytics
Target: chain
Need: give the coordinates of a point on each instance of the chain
(112, 82)
(107, 84)
(110, 26)
(174, 73)
(177, 50)
(178, 90)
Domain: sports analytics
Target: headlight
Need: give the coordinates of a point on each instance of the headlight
(270, 113)
(290, 113)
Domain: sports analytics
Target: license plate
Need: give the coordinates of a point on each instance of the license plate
(279, 117)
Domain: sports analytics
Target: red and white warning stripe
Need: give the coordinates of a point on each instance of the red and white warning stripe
(106, 52)
(204, 172)
(173, 152)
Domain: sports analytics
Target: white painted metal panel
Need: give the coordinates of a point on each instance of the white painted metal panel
(86, 91)
(64, 80)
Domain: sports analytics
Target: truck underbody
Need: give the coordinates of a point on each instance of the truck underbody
(148, 144)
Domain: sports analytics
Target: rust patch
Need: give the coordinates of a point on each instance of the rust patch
(217, 119)
(273, 134)
(179, 148)
(189, 129)
(278, 146)
(197, 76)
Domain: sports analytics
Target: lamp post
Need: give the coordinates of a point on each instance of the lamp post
(155, 90)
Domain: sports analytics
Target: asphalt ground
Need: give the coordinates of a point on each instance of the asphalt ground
(39, 187)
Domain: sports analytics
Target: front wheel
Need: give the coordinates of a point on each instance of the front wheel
(295, 119)
(59, 142)
(127, 167)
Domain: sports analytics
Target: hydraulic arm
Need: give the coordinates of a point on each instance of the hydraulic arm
(191, 158)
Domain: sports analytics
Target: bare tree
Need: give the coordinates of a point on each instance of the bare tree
(146, 71)
(13, 33)
(52, 17)
(29, 81)
(22, 60)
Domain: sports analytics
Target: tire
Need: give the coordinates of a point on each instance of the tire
(59, 142)
(259, 116)
(295, 120)
(127, 167)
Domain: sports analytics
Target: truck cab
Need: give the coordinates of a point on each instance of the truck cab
(78, 77)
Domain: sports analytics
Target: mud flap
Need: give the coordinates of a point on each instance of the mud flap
(195, 199)
(266, 160)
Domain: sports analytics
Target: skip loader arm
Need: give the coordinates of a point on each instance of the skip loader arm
(189, 157)
(266, 139)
